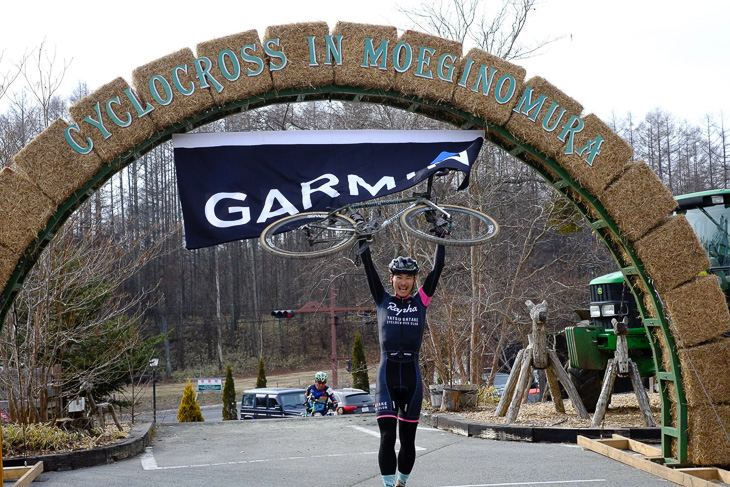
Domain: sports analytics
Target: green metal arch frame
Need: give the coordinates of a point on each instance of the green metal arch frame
(674, 426)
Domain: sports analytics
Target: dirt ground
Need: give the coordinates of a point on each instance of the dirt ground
(622, 412)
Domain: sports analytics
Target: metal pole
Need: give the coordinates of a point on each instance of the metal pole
(334, 331)
(154, 397)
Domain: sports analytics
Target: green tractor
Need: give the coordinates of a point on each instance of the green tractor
(592, 342)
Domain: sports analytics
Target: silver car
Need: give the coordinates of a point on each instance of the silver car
(354, 401)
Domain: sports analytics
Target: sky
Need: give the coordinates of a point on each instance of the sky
(613, 57)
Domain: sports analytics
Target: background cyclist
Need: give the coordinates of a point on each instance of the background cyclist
(319, 389)
(399, 389)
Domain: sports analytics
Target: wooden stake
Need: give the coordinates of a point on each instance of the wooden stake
(568, 385)
(552, 381)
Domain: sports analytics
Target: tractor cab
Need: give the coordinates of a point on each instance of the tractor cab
(708, 212)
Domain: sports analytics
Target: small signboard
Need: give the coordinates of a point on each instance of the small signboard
(209, 385)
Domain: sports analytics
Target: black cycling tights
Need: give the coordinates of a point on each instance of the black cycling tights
(407, 454)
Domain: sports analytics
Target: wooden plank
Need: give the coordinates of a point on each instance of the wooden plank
(724, 476)
(26, 474)
(13, 473)
(640, 463)
(706, 473)
(639, 447)
(620, 443)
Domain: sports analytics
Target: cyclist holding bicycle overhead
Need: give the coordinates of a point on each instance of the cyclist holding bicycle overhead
(399, 389)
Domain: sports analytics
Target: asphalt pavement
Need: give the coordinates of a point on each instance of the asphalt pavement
(342, 451)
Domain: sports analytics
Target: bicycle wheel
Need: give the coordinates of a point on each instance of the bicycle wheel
(466, 227)
(308, 235)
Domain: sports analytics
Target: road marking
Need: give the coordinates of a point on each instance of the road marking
(150, 463)
(546, 482)
(377, 435)
(148, 459)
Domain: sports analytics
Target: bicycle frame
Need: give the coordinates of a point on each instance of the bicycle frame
(415, 200)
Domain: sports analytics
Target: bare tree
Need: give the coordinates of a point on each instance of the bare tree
(70, 324)
(492, 27)
(8, 77)
(43, 77)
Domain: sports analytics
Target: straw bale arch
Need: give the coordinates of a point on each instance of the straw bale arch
(579, 155)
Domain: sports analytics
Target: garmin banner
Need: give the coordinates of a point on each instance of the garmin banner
(233, 185)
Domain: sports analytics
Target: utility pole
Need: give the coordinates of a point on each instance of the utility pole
(332, 310)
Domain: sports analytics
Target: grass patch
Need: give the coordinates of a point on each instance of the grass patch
(41, 439)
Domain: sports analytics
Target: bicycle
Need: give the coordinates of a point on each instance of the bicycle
(316, 234)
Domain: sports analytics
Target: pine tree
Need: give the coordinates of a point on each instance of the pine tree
(261, 378)
(189, 410)
(229, 396)
(360, 378)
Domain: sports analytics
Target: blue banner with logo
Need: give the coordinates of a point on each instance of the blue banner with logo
(233, 185)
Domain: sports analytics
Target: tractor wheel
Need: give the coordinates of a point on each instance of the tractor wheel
(588, 383)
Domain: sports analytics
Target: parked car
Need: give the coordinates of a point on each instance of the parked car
(500, 382)
(272, 402)
(354, 401)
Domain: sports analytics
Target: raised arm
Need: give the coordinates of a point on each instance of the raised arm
(374, 282)
(432, 280)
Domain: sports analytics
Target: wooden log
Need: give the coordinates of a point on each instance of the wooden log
(554, 388)
(509, 387)
(641, 395)
(538, 315)
(523, 383)
(568, 385)
(622, 356)
(608, 379)
(540, 358)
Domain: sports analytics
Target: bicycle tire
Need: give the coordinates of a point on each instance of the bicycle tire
(292, 236)
(469, 227)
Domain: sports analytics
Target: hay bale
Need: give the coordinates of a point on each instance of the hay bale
(704, 372)
(554, 110)
(303, 69)
(8, 261)
(242, 78)
(422, 78)
(54, 166)
(473, 77)
(24, 210)
(596, 155)
(698, 311)
(156, 79)
(707, 443)
(641, 290)
(665, 355)
(379, 76)
(118, 139)
(671, 253)
(638, 200)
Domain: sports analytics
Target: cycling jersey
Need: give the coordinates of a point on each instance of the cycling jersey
(401, 324)
(327, 391)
